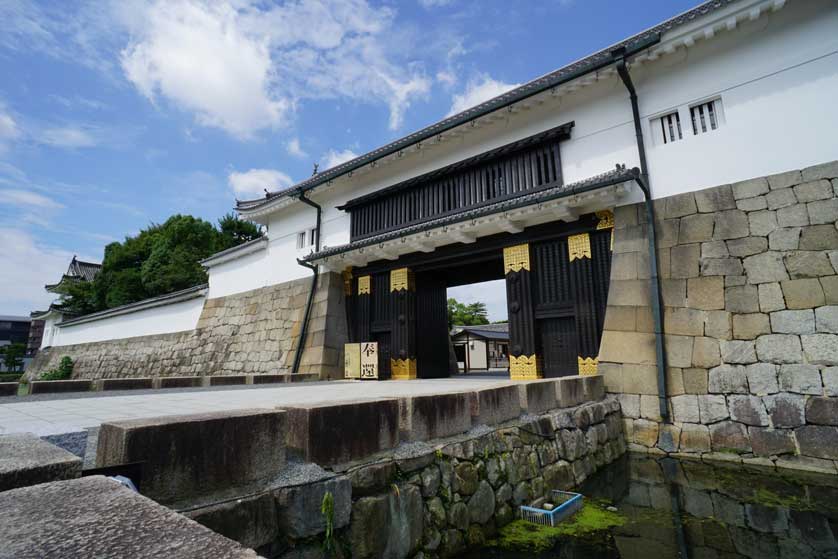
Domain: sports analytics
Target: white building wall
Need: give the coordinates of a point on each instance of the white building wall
(176, 317)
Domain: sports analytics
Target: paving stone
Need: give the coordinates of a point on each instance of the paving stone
(752, 204)
(706, 353)
(819, 237)
(738, 351)
(786, 410)
(782, 198)
(823, 211)
(727, 379)
(766, 267)
(771, 297)
(718, 325)
(820, 349)
(728, 436)
(793, 216)
(695, 381)
(779, 348)
(787, 238)
(712, 408)
(813, 190)
(750, 326)
(694, 438)
(822, 410)
(715, 249)
(771, 442)
(747, 246)
(793, 322)
(829, 375)
(762, 378)
(748, 410)
(802, 293)
(731, 224)
(799, 378)
(685, 408)
(716, 199)
(685, 261)
(762, 222)
(808, 264)
(750, 188)
(822, 171)
(27, 460)
(706, 293)
(819, 441)
(826, 319)
(680, 205)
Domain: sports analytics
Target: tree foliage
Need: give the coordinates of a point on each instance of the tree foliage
(161, 259)
(12, 355)
(461, 314)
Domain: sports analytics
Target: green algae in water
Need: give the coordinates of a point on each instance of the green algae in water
(526, 536)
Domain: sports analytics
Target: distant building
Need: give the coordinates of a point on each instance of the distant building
(36, 335)
(481, 348)
(14, 329)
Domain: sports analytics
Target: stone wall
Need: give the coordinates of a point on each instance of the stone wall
(438, 503)
(252, 332)
(750, 292)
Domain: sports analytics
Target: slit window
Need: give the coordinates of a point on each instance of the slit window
(706, 116)
(669, 126)
(301, 240)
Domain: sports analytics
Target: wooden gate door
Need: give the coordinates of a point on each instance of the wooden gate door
(380, 322)
(431, 326)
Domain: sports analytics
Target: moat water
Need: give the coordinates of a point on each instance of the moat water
(667, 508)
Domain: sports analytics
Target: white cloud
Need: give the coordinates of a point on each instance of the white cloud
(253, 183)
(334, 158)
(293, 148)
(15, 197)
(478, 90)
(9, 130)
(69, 137)
(27, 266)
(428, 4)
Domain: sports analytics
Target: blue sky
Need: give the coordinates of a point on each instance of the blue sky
(117, 114)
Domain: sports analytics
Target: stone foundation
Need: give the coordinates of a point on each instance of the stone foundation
(252, 332)
(750, 294)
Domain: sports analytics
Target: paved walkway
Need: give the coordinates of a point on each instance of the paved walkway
(54, 416)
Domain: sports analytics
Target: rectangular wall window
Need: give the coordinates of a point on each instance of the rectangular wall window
(706, 116)
(667, 128)
(301, 240)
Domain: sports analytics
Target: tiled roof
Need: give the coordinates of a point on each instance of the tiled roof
(83, 270)
(600, 59)
(618, 175)
(487, 331)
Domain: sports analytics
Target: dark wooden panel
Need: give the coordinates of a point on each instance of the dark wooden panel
(432, 325)
(558, 341)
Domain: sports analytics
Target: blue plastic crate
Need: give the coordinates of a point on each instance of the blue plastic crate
(565, 504)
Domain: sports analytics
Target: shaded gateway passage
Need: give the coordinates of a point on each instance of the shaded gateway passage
(556, 283)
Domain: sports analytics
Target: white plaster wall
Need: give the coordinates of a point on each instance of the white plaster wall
(477, 354)
(49, 331)
(165, 319)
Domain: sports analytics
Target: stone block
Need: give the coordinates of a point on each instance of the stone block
(57, 386)
(822, 171)
(808, 264)
(650, 407)
(645, 432)
(330, 434)
(820, 349)
(684, 261)
(793, 216)
(750, 326)
(728, 379)
(779, 348)
(793, 322)
(8, 389)
(712, 200)
(679, 205)
(822, 410)
(679, 350)
(721, 267)
(762, 222)
(179, 382)
(738, 351)
(718, 325)
(133, 383)
(826, 319)
(714, 249)
(818, 441)
(298, 507)
(673, 293)
(696, 228)
(685, 408)
(746, 246)
(629, 405)
(640, 379)
(829, 375)
(810, 191)
(270, 379)
(422, 418)
(669, 437)
(695, 381)
(631, 293)
(303, 377)
(735, 281)
(227, 380)
(787, 238)
(771, 297)
(782, 198)
(771, 442)
(627, 347)
(730, 224)
(784, 180)
(683, 321)
(492, 406)
(729, 436)
(752, 204)
(193, 455)
(786, 410)
(748, 410)
(705, 353)
(375, 531)
(818, 237)
(750, 188)
(706, 293)
(27, 460)
(823, 211)
(712, 408)
(802, 293)
(695, 438)
(251, 521)
(766, 267)
(762, 378)
(593, 387)
(830, 289)
(96, 516)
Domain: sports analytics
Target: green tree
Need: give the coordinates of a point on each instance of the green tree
(235, 231)
(13, 356)
(472, 314)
